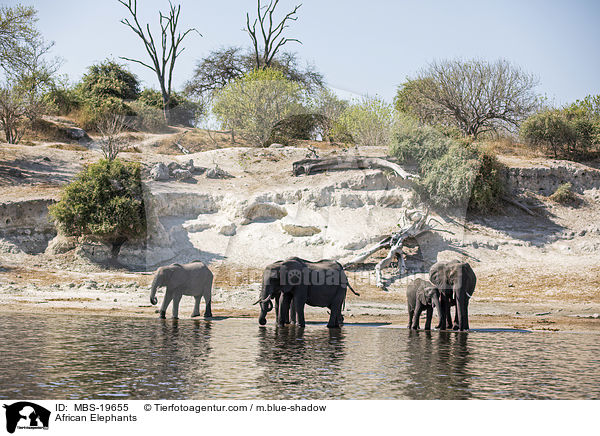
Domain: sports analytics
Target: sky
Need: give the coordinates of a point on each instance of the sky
(361, 47)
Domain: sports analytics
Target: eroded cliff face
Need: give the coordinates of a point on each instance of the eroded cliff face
(249, 223)
(544, 176)
(24, 226)
(264, 213)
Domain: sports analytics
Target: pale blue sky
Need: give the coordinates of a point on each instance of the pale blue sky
(363, 47)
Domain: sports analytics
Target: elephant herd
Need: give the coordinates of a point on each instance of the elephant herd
(294, 283)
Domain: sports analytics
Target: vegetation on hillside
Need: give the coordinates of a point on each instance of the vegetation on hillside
(104, 202)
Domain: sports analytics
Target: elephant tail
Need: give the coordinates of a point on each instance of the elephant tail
(353, 291)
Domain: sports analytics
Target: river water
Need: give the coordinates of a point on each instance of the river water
(79, 357)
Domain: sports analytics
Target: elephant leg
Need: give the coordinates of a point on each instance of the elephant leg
(208, 308)
(176, 300)
(428, 319)
(166, 302)
(298, 310)
(443, 311)
(284, 309)
(410, 318)
(196, 311)
(335, 317)
(293, 311)
(462, 311)
(417, 315)
(277, 309)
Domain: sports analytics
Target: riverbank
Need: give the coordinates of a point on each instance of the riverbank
(126, 294)
(537, 272)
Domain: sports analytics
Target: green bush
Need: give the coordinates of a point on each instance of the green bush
(147, 118)
(182, 111)
(569, 133)
(452, 173)
(564, 194)
(255, 103)
(62, 100)
(104, 90)
(368, 122)
(104, 202)
(110, 79)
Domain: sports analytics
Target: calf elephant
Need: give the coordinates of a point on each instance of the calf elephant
(321, 284)
(422, 295)
(193, 279)
(455, 281)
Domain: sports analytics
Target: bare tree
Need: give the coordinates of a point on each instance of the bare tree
(111, 127)
(476, 96)
(272, 38)
(162, 58)
(13, 109)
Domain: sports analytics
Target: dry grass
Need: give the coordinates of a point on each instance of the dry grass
(510, 147)
(69, 147)
(198, 140)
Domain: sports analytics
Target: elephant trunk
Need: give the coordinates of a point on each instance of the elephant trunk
(153, 299)
(265, 304)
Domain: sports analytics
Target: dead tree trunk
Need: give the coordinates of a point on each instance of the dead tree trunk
(416, 223)
(311, 166)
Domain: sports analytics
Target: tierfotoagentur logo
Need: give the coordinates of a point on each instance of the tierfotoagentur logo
(312, 277)
(26, 415)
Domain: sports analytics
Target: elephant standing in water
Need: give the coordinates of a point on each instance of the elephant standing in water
(321, 284)
(193, 279)
(456, 282)
(422, 295)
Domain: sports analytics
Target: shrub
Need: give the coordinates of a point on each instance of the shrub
(568, 133)
(564, 194)
(110, 79)
(147, 118)
(62, 100)
(255, 103)
(182, 111)
(453, 173)
(104, 202)
(368, 122)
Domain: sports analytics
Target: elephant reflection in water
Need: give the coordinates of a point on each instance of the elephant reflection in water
(181, 354)
(438, 365)
(294, 360)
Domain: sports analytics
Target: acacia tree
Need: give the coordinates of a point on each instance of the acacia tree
(162, 58)
(475, 95)
(271, 32)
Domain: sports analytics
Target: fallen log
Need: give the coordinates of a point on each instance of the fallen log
(311, 166)
(519, 205)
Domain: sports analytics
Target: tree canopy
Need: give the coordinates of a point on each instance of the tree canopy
(475, 96)
(256, 102)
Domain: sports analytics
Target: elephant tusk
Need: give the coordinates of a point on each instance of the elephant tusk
(257, 301)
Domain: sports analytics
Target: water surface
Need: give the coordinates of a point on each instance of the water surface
(78, 357)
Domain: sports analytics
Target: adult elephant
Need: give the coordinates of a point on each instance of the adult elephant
(193, 279)
(456, 283)
(320, 284)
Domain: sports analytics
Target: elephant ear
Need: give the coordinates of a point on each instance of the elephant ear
(437, 275)
(430, 292)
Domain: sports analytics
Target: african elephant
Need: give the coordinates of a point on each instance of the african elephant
(320, 284)
(455, 281)
(420, 295)
(190, 279)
